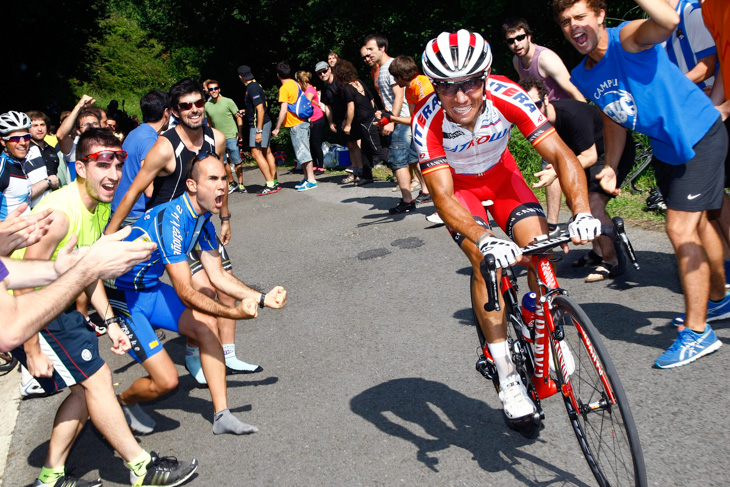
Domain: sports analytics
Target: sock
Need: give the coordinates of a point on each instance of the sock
(357, 171)
(50, 475)
(503, 361)
(192, 363)
(699, 333)
(225, 422)
(270, 184)
(138, 420)
(139, 464)
(232, 362)
(552, 226)
(276, 181)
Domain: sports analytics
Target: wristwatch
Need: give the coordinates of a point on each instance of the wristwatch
(259, 131)
(226, 218)
(50, 184)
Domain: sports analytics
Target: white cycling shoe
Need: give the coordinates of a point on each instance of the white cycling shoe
(515, 400)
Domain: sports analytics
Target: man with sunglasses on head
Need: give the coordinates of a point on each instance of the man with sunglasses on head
(542, 63)
(178, 227)
(462, 131)
(66, 353)
(164, 168)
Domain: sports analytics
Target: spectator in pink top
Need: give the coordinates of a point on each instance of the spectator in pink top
(317, 121)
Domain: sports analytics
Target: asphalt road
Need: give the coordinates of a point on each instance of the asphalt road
(369, 370)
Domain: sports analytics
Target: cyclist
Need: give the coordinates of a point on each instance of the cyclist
(461, 131)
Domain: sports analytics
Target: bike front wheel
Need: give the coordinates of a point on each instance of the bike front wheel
(597, 406)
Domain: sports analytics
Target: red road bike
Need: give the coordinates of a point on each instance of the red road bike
(564, 354)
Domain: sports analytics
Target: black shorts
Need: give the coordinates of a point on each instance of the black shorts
(73, 347)
(194, 259)
(699, 184)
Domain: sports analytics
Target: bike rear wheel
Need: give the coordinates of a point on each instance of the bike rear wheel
(597, 406)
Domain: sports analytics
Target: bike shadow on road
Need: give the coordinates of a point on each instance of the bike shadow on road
(435, 418)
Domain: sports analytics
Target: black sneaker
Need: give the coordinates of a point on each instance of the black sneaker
(403, 207)
(423, 198)
(242, 189)
(363, 181)
(232, 187)
(164, 471)
(267, 190)
(69, 481)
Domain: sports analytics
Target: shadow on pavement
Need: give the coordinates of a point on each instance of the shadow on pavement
(408, 407)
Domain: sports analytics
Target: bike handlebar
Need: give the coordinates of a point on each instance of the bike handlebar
(488, 268)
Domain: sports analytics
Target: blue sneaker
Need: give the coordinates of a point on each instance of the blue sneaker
(301, 183)
(688, 347)
(715, 311)
(727, 274)
(307, 185)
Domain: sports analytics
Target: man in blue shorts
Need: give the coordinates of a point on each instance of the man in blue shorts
(177, 227)
(165, 167)
(628, 74)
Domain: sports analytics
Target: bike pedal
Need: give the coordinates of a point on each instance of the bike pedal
(486, 368)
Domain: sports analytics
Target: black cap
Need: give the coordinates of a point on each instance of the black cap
(245, 72)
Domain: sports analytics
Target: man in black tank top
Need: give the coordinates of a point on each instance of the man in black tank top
(164, 168)
(166, 188)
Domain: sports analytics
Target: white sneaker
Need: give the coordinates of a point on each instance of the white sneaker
(567, 357)
(516, 402)
(434, 218)
(29, 387)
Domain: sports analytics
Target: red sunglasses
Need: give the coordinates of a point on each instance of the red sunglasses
(107, 156)
(187, 105)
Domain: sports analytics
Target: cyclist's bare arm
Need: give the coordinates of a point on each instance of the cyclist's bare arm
(571, 175)
(160, 161)
(614, 141)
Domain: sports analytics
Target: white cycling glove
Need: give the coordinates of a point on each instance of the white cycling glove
(505, 252)
(584, 226)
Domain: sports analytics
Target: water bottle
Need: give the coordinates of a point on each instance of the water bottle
(528, 315)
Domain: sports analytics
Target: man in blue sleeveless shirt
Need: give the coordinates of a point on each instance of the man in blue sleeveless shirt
(628, 75)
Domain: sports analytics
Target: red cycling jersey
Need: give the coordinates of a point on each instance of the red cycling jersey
(442, 143)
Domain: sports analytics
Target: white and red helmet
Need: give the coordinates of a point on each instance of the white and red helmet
(456, 55)
(12, 121)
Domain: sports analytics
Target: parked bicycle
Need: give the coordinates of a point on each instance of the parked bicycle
(7, 362)
(562, 352)
(640, 164)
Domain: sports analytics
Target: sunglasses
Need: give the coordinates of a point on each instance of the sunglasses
(213, 88)
(17, 138)
(199, 157)
(538, 104)
(188, 105)
(323, 71)
(511, 40)
(451, 88)
(107, 156)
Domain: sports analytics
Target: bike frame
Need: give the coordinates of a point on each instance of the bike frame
(543, 329)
